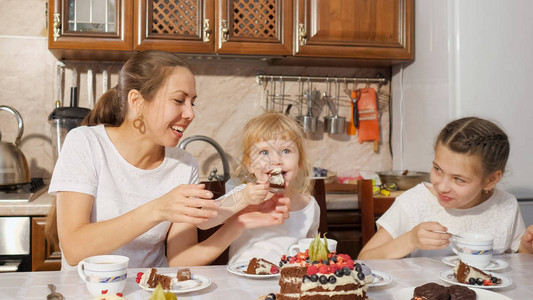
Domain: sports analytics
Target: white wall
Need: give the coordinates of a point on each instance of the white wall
(472, 57)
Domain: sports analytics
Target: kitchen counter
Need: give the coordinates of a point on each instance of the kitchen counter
(38, 206)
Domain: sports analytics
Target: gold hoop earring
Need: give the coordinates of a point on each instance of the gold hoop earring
(138, 123)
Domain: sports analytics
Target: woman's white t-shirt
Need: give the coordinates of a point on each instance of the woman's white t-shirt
(498, 216)
(89, 163)
(272, 242)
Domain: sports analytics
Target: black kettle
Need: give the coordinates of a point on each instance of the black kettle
(13, 164)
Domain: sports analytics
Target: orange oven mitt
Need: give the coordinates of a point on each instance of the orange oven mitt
(368, 116)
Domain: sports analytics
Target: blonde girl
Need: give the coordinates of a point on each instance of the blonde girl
(270, 141)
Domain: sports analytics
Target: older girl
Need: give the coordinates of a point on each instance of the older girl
(470, 158)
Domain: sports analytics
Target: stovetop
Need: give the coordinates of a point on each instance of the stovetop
(22, 192)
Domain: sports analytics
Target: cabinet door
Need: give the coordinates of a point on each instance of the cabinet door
(368, 29)
(45, 256)
(175, 25)
(260, 27)
(91, 25)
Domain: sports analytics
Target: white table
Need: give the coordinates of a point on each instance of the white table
(408, 272)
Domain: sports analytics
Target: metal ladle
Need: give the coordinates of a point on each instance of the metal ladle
(53, 294)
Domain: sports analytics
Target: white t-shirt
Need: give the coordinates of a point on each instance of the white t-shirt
(498, 216)
(272, 242)
(89, 163)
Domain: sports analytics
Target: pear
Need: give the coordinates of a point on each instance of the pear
(318, 250)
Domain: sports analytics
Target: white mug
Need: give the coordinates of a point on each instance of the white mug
(104, 272)
(303, 245)
(474, 249)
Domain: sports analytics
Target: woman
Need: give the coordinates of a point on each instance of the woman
(122, 185)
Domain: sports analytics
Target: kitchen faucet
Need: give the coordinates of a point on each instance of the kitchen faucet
(225, 163)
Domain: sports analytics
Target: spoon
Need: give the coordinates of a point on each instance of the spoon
(54, 295)
(452, 234)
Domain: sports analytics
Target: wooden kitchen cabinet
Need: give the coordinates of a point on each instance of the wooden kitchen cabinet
(242, 27)
(45, 256)
(363, 29)
(376, 30)
(85, 29)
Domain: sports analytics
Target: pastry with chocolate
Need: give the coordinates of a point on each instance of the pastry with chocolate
(431, 291)
(277, 182)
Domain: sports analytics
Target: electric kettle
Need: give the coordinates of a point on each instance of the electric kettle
(13, 164)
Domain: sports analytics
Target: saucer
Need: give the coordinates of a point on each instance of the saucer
(495, 264)
(380, 278)
(450, 278)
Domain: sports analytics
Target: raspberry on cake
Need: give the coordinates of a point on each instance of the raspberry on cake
(259, 266)
(474, 276)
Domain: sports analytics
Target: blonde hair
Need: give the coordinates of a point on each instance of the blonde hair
(271, 126)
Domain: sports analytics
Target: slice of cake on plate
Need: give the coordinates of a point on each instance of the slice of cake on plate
(474, 276)
(435, 291)
(259, 266)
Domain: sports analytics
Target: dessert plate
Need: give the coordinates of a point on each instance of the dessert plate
(495, 264)
(450, 278)
(380, 278)
(239, 268)
(197, 282)
(407, 294)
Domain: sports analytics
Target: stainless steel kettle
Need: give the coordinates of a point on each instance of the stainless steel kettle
(13, 165)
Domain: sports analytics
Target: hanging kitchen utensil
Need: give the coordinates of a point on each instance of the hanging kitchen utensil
(90, 95)
(368, 116)
(59, 86)
(353, 124)
(63, 119)
(13, 164)
(332, 124)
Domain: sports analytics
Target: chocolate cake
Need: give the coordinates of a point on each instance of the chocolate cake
(474, 276)
(184, 274)
(259, 266)
(154, 279)
(431, 291)
(434, 291)
(276, 179)
(458, 292)
(318, 274)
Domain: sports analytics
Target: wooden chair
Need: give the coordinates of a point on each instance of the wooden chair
(371, 208)
(218, 188)
(319, 192)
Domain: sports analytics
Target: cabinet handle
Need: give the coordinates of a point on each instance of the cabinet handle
(57, 25)
(302, 39)
(207, 31)
(225, 31)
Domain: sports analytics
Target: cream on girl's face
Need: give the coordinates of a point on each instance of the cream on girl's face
(457, 178)
(279, 153)
(171, 111)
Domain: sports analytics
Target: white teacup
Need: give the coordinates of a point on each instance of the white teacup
(303, 245)
(104, 272)
(474, 249)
